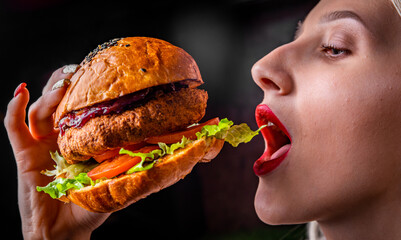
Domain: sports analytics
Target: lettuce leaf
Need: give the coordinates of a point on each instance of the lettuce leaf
(233, 134)
(76, 174)
(219, 131)
(170, 149)
(148, 159)
(240, 134)
(61, 164)
(145, 157)
(68, 170)
(60, 186)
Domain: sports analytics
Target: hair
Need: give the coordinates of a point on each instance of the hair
(397, 5)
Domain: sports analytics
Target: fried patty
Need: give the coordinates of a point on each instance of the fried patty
(166, 113)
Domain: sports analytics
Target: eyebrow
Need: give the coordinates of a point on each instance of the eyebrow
(337, 15)
(333, 16)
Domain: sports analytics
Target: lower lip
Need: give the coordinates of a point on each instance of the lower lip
(266, 164)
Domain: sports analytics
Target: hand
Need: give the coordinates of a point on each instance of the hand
(43, 217)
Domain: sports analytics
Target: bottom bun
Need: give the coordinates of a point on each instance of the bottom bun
(117, 193)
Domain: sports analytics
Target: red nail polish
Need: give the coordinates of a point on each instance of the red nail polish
(19, 89)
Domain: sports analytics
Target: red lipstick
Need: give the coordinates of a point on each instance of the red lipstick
(278, 141)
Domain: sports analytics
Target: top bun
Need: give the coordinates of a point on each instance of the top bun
(123, 66)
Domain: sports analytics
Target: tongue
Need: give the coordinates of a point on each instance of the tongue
(267, 163)
(281, 151)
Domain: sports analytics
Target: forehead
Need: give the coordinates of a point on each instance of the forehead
(379, 16)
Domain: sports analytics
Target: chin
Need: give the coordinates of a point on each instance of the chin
(274, 210)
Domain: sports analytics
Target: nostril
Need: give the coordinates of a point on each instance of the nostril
(269, 84)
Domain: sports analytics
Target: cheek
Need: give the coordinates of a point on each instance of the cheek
(344, 152)
(348, 148)
(346, 115)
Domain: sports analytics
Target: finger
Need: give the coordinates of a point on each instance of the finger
(65, 72)
(14, 121)
(41, 112)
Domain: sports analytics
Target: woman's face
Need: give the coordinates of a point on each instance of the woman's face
(337, 90)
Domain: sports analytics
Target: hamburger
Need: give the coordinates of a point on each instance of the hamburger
(129, 126)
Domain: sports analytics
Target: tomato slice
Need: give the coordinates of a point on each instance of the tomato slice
(113, 164)
(120, 164)
(115, 152)
(174, 137)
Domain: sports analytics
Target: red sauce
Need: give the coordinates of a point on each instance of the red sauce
(78, 118)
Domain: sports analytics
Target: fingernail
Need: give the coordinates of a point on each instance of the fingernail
(19, 89)
(72, 68)
(61, 83)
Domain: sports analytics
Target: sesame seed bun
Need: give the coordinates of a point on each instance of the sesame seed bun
(123, 66)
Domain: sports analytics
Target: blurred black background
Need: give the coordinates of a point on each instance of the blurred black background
(225, 38)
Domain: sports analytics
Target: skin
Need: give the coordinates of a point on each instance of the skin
(43, 217)
(342, 109)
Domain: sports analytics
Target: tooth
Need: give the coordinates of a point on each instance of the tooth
(270, 124)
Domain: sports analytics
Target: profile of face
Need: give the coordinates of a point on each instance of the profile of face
(336, 92)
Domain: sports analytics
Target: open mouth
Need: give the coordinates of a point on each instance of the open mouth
(277, 138)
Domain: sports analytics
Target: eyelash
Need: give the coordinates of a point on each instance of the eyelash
(338, 52)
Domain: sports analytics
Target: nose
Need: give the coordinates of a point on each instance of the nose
(272, 72)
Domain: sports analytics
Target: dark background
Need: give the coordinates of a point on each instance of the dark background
(225, 38)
